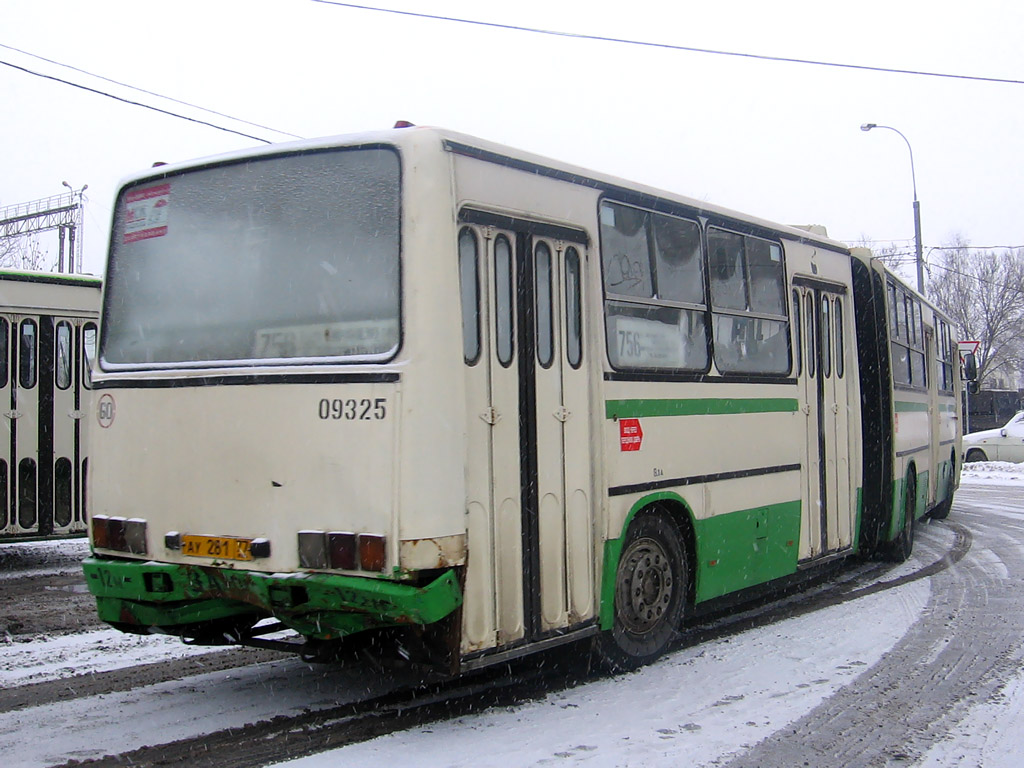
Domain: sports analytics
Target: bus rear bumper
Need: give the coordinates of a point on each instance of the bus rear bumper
(147, 596)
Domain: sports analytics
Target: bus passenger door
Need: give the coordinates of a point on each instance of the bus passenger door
(811, 530)
(559, 543)
(66, 366)
(528, 398)
(494, 455)
(827, 522)
(8, 514)
(27, 409)
(839, 528)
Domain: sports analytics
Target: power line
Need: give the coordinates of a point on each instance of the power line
(133, 103)
(975, 278)
(148, 93)
(667, 46)
(975, 248)
(887, 240)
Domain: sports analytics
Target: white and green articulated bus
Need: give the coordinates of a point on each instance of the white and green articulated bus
(414, 388)
(48, 326)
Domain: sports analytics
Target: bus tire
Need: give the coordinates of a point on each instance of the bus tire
(651, 584)
(941, 512)
(902, 546)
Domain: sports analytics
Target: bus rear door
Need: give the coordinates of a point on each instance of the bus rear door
(534, 518)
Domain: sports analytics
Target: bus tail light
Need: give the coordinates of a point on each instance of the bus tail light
(100, 531)
(115, 534)
(342, 551)
(119, 534)
(371, 552)
(135, 536)
(312, 549)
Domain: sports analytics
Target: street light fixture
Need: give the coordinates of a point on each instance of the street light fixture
(917, 205)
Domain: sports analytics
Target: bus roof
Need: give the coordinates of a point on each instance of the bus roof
(492, 152)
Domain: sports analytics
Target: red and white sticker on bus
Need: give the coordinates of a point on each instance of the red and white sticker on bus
(631, 435)
(146, 214)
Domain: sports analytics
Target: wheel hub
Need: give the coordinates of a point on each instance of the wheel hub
(645, 585)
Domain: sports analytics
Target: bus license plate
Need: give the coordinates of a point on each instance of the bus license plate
(222, 547)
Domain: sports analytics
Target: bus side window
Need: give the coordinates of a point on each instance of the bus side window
(3, 492)
(906, 317)
(469, 287)
(62, 371)
(840, 341)
(812, 347)
(748, 299)
(655, 307)
(918, 367)
(798, 346)
(825, 336)
(27, 354)
(626, 251)
(544, 305)
(728, 280)
(945, 358)
(62, 492)
(88, 352)
(27, 493)
(503, 300)
(573, 309)
(894, 315)
(4, 351)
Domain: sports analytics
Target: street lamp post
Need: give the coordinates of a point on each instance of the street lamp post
(917, 205)
(73, 264)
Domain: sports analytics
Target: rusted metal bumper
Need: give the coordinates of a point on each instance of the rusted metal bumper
(167, 597)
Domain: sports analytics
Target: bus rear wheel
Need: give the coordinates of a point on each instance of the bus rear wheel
(902, 546)
(941, 511)
(651, 584)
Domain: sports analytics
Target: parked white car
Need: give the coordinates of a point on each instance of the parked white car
(1004, 444)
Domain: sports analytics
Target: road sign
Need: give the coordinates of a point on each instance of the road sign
(965, 347)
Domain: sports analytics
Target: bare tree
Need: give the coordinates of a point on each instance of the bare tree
(895, 256)
(983, 293)
(24, 252)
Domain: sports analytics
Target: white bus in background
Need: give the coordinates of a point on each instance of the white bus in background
(47, 324)
(413, 386)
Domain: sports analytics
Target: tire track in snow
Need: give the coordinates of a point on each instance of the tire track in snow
(283, 737)
(966, 643)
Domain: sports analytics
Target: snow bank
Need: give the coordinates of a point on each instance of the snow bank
(40, 658)
(992, 473)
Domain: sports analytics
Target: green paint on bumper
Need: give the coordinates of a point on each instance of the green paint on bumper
(324, 606)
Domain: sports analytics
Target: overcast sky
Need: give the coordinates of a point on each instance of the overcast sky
(775, 139)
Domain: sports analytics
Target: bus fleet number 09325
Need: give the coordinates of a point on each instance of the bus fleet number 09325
(352, 409)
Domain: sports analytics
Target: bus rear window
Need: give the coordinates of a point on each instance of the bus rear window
(288, 258)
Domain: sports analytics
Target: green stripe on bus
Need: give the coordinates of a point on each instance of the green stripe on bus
(707, 406)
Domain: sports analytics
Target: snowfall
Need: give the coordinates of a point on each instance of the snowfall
(671, 713)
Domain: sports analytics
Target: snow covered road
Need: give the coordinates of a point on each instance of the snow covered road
(920, 673)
